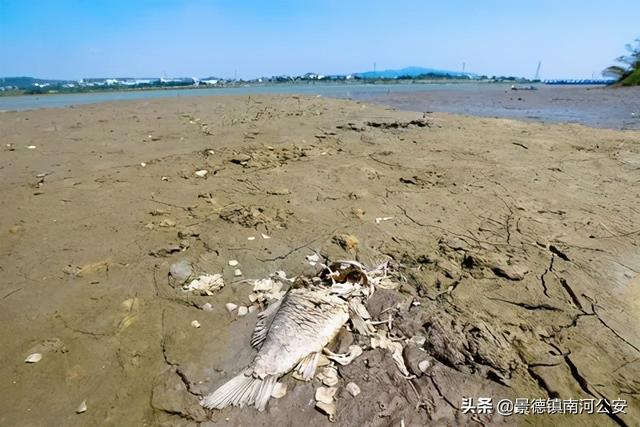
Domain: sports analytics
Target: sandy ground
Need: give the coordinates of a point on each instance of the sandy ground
(519, 241)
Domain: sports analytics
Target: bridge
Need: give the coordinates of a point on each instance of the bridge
(578, 82)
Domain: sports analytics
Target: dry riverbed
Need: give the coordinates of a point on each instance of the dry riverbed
(517, 244)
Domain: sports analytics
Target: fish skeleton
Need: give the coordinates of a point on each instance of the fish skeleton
(290, 334)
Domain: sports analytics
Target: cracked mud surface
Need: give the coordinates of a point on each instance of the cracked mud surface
(519, 240)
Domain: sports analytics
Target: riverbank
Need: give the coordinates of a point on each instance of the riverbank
(615, 108)
(517, 242)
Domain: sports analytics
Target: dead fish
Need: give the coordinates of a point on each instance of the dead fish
(290, 334)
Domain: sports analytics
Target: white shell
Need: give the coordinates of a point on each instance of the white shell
(264, 236)
(195, 324)
(201, 173)
(237, 272)
(325, 394)
(231, 306)
(385, 218)
(279, 391)
(33, 358)
(329, 376)
(251, 238)
(327, 408)
(353, 389)
(31, 147)
(233, 262)
(242, 311)
(82, 407)
(206, 282)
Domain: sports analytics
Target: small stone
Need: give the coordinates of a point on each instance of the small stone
(264, 236)
(279, 192)
(413, 356)
(241, 159)
(251, 238)
(181, 271)
(348, 242)
(33, 358)
(233, 262)
(313, 259)
(231, 306)
(82, 407)
(207, 307)
(201, 173)
(353, 389)
(237, 272)
(195, 324)
(167, 223)
(357, 212)
(242, 311)
(424, 365)
(31, 147)
(253, 308)
(143, 164)
(164, 178)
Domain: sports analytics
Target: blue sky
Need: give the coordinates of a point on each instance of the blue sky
(95, 38)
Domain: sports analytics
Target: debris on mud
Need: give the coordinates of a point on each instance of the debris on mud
(82, 407)
(253, 216)
(399, 125)
(33, 358)
(294, 330)
(205, 284)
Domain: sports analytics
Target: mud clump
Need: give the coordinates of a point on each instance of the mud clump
(253, 216)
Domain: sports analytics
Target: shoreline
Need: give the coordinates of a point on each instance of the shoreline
(518, 239)
(359, 82)
(615, 108)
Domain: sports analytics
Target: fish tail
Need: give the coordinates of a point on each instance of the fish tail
(240, 391)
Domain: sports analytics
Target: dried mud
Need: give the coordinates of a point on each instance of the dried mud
(518, 240)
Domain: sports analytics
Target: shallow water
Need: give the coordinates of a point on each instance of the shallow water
(30, 102)
(589, 105)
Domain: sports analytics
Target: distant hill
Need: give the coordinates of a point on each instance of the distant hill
(411, 72)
